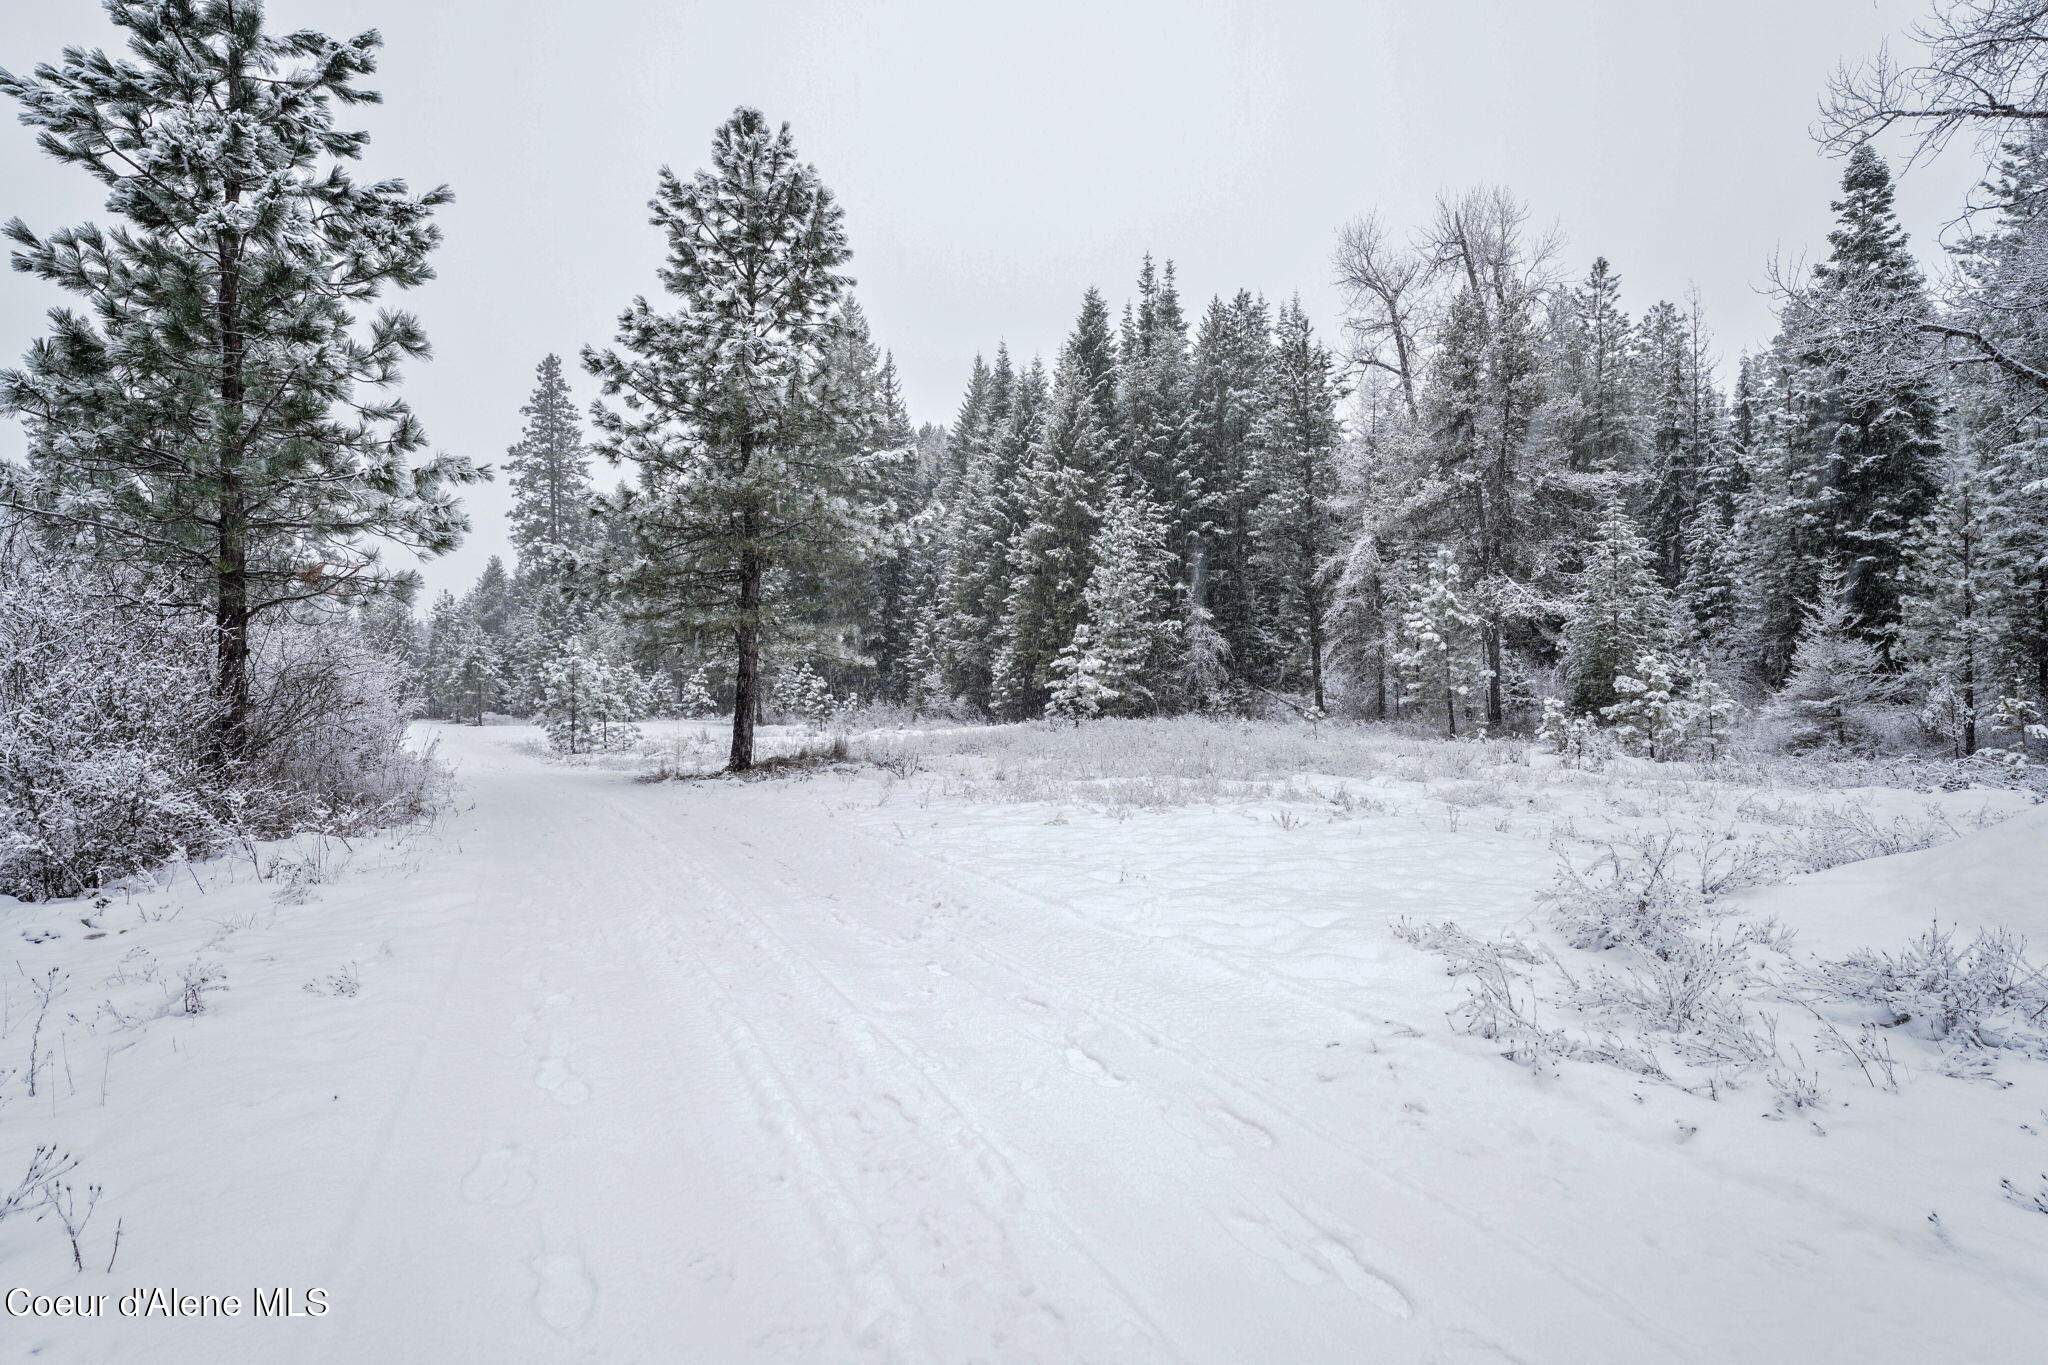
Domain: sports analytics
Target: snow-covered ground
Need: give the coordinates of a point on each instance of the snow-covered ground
(990, 1053)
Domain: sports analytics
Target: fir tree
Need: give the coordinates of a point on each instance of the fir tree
(1232, 352)
(1440, 659)
(549, 473)
(470, 679)
(1299, 531)
(1869, 433)
(1647, 712)
(1618, 614)
(1836, 679)
(1059, 488)
(589, 702)
(1595, 375)
(1947, 628)
(1116, 660)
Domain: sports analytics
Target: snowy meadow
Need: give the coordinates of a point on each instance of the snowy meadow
(1452, 818)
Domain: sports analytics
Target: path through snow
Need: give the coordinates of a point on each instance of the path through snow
(728, 1072)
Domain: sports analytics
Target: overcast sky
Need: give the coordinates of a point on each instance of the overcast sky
(994, 161)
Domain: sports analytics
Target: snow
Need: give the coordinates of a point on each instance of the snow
(955, 1066)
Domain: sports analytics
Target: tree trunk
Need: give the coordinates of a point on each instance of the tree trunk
(746, 686)
(1315, 653)
(231, 565)
(231, 562)
(1495, 712)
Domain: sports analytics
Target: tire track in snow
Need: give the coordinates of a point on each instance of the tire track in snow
(996, 1195)
(1098, 995)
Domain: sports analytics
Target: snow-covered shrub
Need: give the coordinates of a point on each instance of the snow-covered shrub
(1630, 897)
(1981, 994)
(106, 716)
(1850, 832)
(328, 744)
(102, 713)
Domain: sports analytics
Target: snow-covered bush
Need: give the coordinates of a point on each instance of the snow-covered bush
(102, 711)
(1984, 993)
(106, 715)
(1631, 896)
(328, 746)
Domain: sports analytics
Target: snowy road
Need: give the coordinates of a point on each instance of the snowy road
(725, 1074)
(720, 1077)
(801, 1070)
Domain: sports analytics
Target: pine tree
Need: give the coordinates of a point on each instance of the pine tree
(1232, 352)
(470, 678)
(492, 601)
(1647, 712)
(1619, 613)
(742, 486)
(223, 413)
(1298, 521)
(1596, 375)
(1156, 395)
(1708, 597)
(589, 702)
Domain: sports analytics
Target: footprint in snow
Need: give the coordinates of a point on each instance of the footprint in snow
(565, 1294)
(501, 1176)
(1219, 1132)
(1085, 1064)
(558, 1080)
(1315, 1260)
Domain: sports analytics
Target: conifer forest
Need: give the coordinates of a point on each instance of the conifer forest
(1418, 802)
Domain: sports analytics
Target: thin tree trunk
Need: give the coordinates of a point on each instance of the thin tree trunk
(1315, 653)
(231, 567)
(1495, 712)
(746, 687)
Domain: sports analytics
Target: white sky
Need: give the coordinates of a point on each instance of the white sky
(996, 160)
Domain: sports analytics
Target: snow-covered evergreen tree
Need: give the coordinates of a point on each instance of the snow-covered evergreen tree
(728, 410)
(1948, 629)
(1298, 520)
(1866, 435)
(589, 702)
(1647, 713)
(1837, 679)
(222, 411)
(470, 678)
(549, 473)
(1116, 662)
(1619, 613)
(1059, 491)
(1441, 659)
